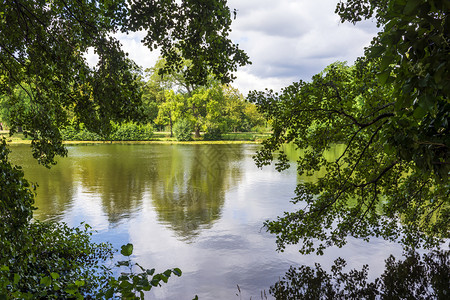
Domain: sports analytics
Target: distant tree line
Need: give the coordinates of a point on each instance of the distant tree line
(169, 103)
(212, 108)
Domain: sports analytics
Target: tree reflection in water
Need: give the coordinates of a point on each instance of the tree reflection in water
(416, 277)
(194, 184)
(185, 184)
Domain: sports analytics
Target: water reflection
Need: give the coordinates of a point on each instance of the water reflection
(189, 189)
(293, 154)
(186, 184)
(54, 195)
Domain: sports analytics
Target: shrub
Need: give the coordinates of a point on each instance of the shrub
(182, 130)
(213, 133)
(120, 132)
(132, 132)
(78, 132)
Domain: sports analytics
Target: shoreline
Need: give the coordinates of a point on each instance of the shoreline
(28, 142)
(18, 140)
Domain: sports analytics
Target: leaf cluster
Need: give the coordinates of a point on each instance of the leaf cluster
(413, 48)
(194, 30)
(130, 283)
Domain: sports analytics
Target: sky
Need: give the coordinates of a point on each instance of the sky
(286, 40)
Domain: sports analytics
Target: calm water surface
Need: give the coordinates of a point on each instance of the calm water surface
(196, 207)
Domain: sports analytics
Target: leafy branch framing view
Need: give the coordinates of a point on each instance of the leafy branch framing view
(390, 110)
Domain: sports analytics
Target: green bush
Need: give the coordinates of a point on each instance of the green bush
(132, 132)
(260, 129)
(120, 132)
(50, 260)
(213, 133)
(182, 130)
(78, 132)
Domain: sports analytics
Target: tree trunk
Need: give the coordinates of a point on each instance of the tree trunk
(197, 131)
(170, 124)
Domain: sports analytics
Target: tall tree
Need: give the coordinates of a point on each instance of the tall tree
(391, 112)
(239, 114)
(171, 109)
(374, 188)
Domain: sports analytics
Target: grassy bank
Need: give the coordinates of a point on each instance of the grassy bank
(17, 138)
(159, 137)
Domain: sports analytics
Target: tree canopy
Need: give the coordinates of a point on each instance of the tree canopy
(390, 111)
(413, 51)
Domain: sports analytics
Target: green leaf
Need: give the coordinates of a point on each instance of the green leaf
(410, 7)
(177, 272)
(376, 51)
(127, 249)
(46, 281)
(70, 290)
(164, 278)
(384, 76)
(385, 62)
(167, 273)
(426, 102)
(419, 112)
(16, 278)
(54, 275)
(439, 72)
(388, 149)
(79, 283)
(4, 268)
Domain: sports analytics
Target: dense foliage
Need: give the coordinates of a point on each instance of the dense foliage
(129, 131)
(212, 108)
(414, 53)
(390, 111)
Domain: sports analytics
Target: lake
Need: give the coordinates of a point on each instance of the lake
(196, 207)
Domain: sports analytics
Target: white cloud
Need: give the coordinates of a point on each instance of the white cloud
(289, 40)
(91, 57)
(136, 50)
